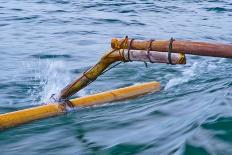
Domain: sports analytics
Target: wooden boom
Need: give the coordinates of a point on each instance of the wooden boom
(186, 47)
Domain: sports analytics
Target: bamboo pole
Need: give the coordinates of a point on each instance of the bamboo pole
(187, 47)
(111, 57)
(15, 118)
(91, 74)
(154, 56)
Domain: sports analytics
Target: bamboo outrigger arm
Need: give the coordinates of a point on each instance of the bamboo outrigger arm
(148, 53)
(62, 105)
(113, 56)
(187, 47)
(171, 52)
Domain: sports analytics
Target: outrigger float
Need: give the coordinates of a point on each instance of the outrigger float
(123, 50)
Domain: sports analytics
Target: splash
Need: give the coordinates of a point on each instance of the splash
(48, 77)
(186, 76)
(194, 71)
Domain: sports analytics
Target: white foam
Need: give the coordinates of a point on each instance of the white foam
(49, 77)
(186, 76)
(195, 70)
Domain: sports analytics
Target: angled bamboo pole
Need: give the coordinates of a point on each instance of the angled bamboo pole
(15, 118)
(113, 56)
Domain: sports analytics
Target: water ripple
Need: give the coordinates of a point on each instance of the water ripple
(45, 44)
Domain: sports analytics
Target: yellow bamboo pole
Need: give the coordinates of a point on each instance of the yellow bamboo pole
(15, 118)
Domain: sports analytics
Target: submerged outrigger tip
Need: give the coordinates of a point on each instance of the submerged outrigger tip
(53, 109)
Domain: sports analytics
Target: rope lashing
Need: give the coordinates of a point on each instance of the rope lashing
(67, 103)
(64, 102)
(149, 49)
(170, 51)
(120, 46)
(129, 48)
(123, 46)
(52, 98)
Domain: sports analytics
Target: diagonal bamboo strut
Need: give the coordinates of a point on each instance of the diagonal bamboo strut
(113, 56)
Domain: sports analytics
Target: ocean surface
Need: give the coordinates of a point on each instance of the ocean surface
(45, 44)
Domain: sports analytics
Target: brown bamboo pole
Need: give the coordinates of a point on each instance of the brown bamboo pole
(16, 118)
(187, 47)
(91, 74)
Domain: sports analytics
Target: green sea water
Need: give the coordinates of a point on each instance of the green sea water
(45, 44)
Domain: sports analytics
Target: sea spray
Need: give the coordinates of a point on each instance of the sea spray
(186, 75)
(194, 70)
(48, 77)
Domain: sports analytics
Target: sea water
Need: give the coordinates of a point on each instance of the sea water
(45, 44)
